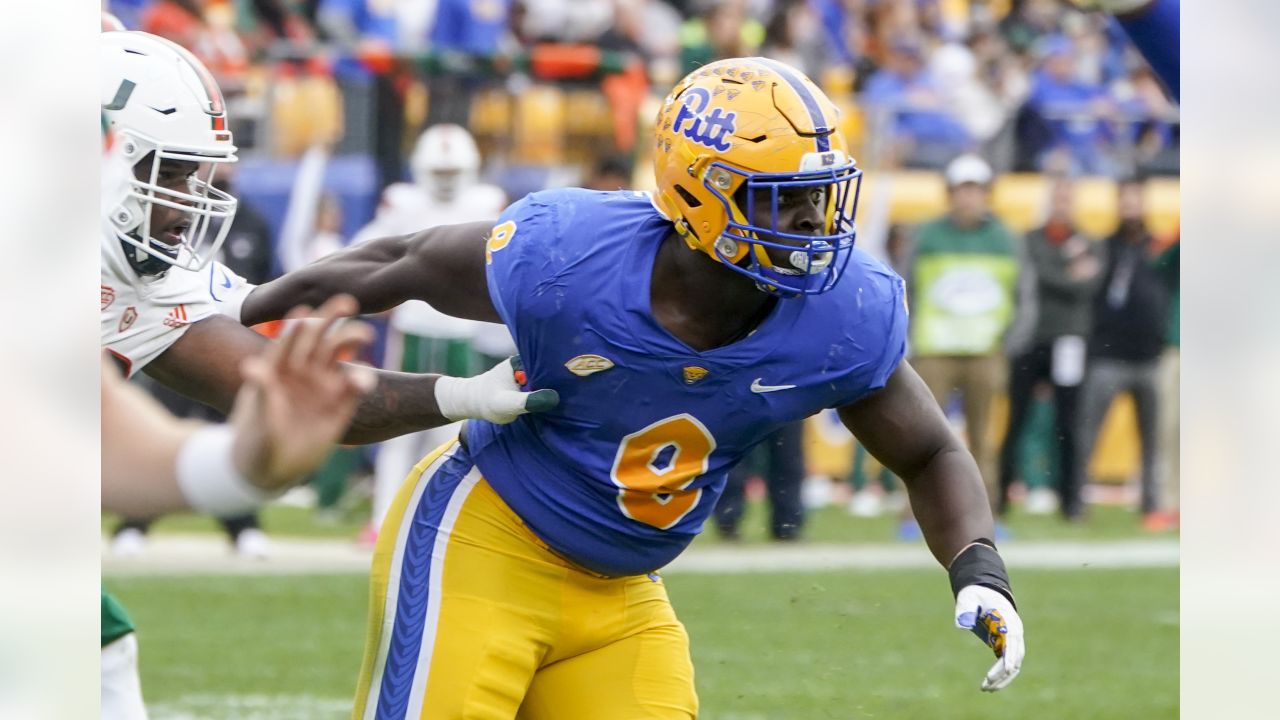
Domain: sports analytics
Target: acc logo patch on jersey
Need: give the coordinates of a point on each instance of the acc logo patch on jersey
(584, 365)
(705, 128)
(693, 374)
(108, 296)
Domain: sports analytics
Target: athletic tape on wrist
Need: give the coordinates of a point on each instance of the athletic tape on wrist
(208, 477)
(453, 398)
(980, 564)
(474, 397)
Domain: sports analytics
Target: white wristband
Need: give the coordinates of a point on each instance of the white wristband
(208, 477)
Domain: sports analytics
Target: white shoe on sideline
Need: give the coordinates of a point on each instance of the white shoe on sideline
(866, 504)
(129, 542)
(1040, 501)
(817, 492)
(253, 543)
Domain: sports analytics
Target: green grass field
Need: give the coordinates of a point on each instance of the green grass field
(865, 644)
(767, 646)
(828, 525)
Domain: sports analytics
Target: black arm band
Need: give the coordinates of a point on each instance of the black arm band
(980, 564)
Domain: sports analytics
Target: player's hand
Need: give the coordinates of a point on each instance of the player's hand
(989, 615)
(298, 397)
(496, 395)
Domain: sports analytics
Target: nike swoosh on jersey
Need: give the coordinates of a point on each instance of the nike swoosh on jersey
(214, 283)
(756, 387)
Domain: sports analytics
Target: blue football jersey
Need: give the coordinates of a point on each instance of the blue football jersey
(620, 477)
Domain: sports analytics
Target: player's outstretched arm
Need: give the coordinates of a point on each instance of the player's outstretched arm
(140, 444)
(295, 402)
(903, 427)
(204, 364)
(445, 266)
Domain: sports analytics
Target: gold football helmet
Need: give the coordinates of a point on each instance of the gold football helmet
(739, 132)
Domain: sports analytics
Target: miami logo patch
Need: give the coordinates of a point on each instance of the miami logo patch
(126, 319)
(585, 365)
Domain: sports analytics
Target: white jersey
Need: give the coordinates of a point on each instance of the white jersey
(408, 208)
(142, 316)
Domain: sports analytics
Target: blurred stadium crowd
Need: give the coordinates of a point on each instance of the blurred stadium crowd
(1022, 132)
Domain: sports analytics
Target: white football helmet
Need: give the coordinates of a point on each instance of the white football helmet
(445, 161)
(160, 103)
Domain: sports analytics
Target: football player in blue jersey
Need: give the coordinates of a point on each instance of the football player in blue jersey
(515, 575)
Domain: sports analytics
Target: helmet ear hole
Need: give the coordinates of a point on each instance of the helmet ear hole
(688, 197)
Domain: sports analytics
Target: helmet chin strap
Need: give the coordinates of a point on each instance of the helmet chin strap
(143, 262)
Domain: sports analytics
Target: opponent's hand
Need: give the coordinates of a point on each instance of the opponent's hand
(496, 395)
(298, 397)
(989, 615)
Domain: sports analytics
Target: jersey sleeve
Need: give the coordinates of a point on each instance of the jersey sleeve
(519, 267)
(883, 335)
(142, 319)
(227, 290)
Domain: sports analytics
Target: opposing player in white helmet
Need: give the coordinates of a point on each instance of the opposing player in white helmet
(171, 123)
(167, 306)
(172, 310)
(445, 166)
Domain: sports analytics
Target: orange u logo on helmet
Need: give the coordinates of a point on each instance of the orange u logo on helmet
(758, 123)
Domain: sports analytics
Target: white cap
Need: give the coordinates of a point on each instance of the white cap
(968, 168)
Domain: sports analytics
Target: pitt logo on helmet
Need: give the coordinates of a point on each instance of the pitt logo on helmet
(705, 128)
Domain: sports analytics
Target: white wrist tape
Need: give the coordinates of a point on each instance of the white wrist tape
(208, 477)
(492, 395)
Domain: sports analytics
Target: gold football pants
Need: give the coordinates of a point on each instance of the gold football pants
(472, 616)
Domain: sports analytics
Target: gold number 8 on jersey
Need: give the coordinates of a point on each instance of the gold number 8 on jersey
(655, 465)
(499, 237)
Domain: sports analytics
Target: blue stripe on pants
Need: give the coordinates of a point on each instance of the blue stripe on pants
(415, 576)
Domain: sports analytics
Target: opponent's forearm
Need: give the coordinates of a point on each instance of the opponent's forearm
(140, 444)
(400, 404)
(368, 271)
(950, 503)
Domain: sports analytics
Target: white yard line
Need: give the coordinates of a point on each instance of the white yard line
(211, 555)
